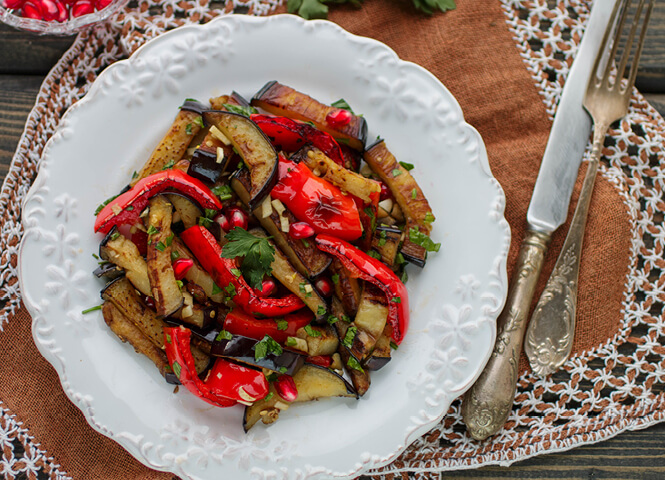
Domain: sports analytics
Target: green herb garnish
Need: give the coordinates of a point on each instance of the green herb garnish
(354, 364)
(199, 121)
(351, 332)
(240, 110)
(419, 238)
(188, 129)
(224, 192)
(223, 335)
(265, 346)
(258, 255)
(91, 309)
(281, 324)
(105, 203)
(407, 166)
(311, 332)
(341, 103)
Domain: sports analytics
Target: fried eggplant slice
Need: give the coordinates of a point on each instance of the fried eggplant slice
(197, 274)
(126, 331)
(165, 289)
(386, 242)
(122, 294)
(174, 144)
(124, 253)
(255, 149)
(359, 377)
(321, 339)
(281, 100)
(410, 198)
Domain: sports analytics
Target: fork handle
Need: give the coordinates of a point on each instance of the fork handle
(549, 337)
(487, 404)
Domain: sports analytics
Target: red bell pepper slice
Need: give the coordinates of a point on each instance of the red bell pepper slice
(238, 322)
(240, 383)
(372, 270)
(290, 135)
(207, 251)
(179, 354)
(126, 207)
(316, 201)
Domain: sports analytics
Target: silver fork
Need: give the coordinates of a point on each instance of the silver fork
(549, 336)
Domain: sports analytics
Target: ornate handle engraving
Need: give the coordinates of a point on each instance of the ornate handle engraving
(549, 338)
(488, 403)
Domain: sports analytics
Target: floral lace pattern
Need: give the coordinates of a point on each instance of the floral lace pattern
(615, 387)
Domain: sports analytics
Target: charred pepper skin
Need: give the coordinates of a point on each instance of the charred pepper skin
(237, 322)
(126, 207)
(372, 270)
(290, 135)
(207, 251)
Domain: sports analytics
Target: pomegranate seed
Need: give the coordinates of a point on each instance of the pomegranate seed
(238, 218)
(321, 360)
(31, 10)
(223, 222)
(301, 230)
(102, 4)
(49, 9)
(268, 287)
(82, 7)
(63, 13)
(286, 388)
(149, 301)
(385, 192)
(13, 4)
(181, 266)
(338, 118)
(324, 286)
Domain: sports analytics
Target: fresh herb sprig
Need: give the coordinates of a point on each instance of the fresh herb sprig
(258, 254)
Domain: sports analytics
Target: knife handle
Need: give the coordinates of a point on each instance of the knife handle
(486, 406)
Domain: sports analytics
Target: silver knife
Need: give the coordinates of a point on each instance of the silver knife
(488, 403)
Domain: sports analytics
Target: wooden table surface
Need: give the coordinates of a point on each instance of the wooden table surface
(24, 61)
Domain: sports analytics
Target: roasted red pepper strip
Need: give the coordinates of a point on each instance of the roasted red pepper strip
(362, 266)
(290, 135)
(126, 207)
(316, 201)
(238, 322)
(179, 354)
(208, 252)
(237, 382)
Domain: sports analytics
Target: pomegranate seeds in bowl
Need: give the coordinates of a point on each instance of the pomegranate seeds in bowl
(59, 17)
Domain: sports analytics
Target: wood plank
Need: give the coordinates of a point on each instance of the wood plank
(17, 97)
(652, 64)
(26, 53)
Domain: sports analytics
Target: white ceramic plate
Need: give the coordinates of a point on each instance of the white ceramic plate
(111, 132)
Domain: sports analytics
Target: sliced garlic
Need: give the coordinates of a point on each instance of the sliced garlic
(217, 133)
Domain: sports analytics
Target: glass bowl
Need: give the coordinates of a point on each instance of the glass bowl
(13, 18)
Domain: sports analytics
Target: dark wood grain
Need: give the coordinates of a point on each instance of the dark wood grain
(26, 58)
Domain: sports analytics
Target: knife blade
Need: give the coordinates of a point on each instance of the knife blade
(487, 404)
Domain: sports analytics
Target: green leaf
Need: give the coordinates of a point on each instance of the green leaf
(341, 103)
(188, 129)
(240, 110)
(224, 192)
(308, 9)
(91, 309)
(407, 166)
(429, 6)
(291, 342)
(177, 369)
(199, 121)
(104, 203)
(258, 255)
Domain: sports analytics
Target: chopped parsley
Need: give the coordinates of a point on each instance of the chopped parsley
(354, 364)
(332, 319)
(223, 335)
(152, 230)
(160, 246)
(419, 238)
(407, 166)
(105, 203)
(177, 369)
(341, 103)
(396, 172)
(174, 255)
(429, 217)
(215, 289)
(396, 299)
(199, 121)
(281, 324)
(393, 345)
(320, 310)
(291, 342)
(224, 192)
(414, 193)
(188, 129)
(240, 110)
(91, 309)
(266, 346)
(350, 335)
(311, 332)
(335, 278)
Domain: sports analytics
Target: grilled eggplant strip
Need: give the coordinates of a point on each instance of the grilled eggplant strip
(188, 212)
(305, 258)
(174, 144)
(122, 252)
(279, 99)
(382, 351)
(359, 378)
(165, 288)
(385, 242)
(126, 331)
(294, 281)
(410, 198)
(122, 294)
(321, 341)
(347, 288)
